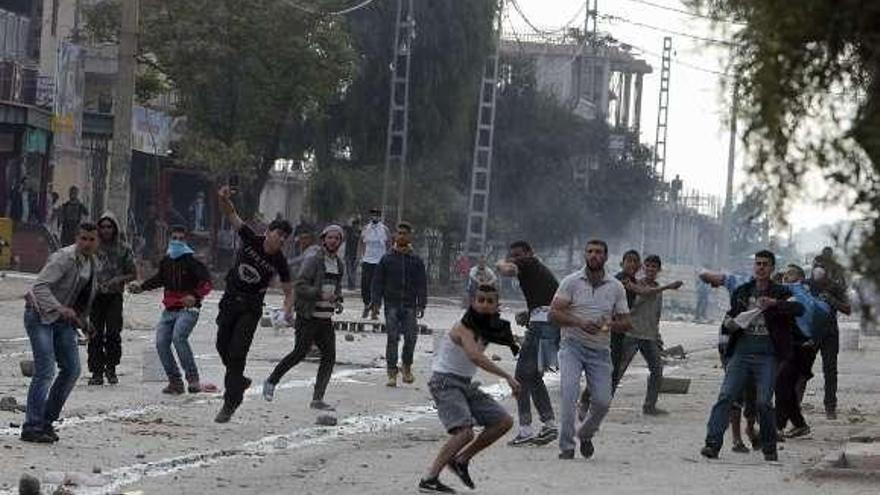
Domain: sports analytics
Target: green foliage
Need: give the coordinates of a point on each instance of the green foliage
(810, 94)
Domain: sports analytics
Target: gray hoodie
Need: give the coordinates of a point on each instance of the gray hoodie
(59, 284)
(115, 258)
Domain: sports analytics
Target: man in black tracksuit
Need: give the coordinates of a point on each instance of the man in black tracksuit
(401, 282)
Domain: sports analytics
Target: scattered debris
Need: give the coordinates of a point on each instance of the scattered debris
(669, 385)
(496, 357)
(676, 352)
(349, 337)
(326, 420)
(28, 485)
(9, 404)
(27, 367)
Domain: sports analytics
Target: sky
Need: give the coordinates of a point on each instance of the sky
(698, 132)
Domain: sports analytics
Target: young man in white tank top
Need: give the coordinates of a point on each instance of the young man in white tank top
(459, 401)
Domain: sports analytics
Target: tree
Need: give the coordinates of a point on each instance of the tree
(249, 76)
(810, 94)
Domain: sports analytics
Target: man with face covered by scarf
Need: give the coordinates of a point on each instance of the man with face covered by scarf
(186, 281)
(401, 282)
(318, 287)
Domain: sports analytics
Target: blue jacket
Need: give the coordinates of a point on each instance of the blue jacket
(400, 280)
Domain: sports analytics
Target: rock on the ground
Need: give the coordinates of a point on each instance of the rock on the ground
(8, 404)
(349, 337)
(496, 357)
(28, 485)
(326, 420)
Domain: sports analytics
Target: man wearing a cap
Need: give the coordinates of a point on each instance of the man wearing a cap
(375, 242)
(318, 288)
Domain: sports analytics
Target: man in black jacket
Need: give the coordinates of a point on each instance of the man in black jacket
(760, 323)
(186, 281)
(401, 282)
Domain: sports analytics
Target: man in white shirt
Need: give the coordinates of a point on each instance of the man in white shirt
(589, 305)
(375, 242)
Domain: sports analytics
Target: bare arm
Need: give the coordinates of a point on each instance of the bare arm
(287, 288)
(645, 290)
(713, 279)
(464, 337)
(621, 323)
(506, 268)
(228, 208)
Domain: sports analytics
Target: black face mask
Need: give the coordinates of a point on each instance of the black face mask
(490, 328)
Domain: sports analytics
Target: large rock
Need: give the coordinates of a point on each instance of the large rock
(28, 485)
(27, 367)
(326, 420)
(8, 404)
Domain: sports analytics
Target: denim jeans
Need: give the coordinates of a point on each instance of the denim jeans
(400, 321)
(174, 328)
(650, 350)
(761, 368)
(51, 344)
(530, 376)
(576, 359)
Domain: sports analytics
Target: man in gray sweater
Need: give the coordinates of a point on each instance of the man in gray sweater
(58, 303)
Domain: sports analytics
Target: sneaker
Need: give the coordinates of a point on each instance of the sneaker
(321, 406)
(795, 432)
(740, 448)
(392, 378)
(755, 440)
(771, 456)
(407, 375)
(654, 411)
(174, 387)
(461, 470)
(546, 435)
(225, 414)
(36, 437)
(780, 436)
(193, 386)
(434, 485)
(268, 391)
(51, 432)
(112, 379)
(709, 452)
(96, 379)
(521, 439)
(587, 448)
(566, 455)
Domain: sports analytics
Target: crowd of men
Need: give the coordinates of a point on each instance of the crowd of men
(590, 324)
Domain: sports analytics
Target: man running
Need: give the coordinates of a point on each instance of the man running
(589, 306)
(186, 281)
(257, 262)
(459, 401)
(644, 336)
(401, 283)
(58, 302)
(318, 295)
(538, 285)
(760, 323)
(116, 267)
(375, 242)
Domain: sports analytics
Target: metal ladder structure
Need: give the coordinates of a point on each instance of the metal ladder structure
(398, 109)
(481, 166)
(663, 110)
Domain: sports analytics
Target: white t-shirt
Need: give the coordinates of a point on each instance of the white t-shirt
(594, 304)
(375, 237)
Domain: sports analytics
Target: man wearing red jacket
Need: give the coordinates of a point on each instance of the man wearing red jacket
(186, 281)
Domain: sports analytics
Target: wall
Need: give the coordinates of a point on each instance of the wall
(284, 192)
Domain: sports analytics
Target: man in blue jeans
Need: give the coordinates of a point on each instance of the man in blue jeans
(760, 324)
(58, 302)
(589, 305)
(186, 281)
(540, 345)
(401, 282)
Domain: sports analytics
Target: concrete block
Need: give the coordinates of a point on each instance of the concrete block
(863, 456)
(671, 385)
(27, 367)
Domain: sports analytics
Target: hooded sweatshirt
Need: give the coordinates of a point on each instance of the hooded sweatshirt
(182, 276)
(115, 258)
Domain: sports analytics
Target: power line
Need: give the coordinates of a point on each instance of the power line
(685, 12)
(681, 62)
(344, 11)
(610, 17)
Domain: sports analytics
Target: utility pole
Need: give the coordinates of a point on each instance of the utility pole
(398, 107)
(727, 216)
(663, 110)
(481, 166)
(120, 162)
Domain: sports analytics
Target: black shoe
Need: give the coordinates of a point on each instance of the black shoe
(587, 448)
(225, 414)
(653, 411)
(433, 485)
(364, 317)
(740, 448)
(112, 379)
(830, 413)
(798, 431)
(755, 440)
(566, 455)
(96, 379)
(461, 470)
(247, 382)
(36, 437)
(709, 452)
(771, 456)
(51, 432)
